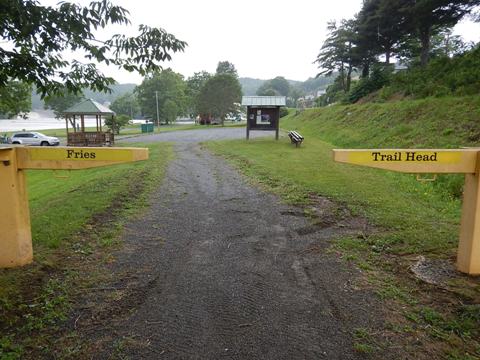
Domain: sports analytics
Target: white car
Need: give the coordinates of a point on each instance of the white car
(33, 138)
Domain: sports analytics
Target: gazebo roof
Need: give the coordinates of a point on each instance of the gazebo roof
(88, 107)
(263, 100)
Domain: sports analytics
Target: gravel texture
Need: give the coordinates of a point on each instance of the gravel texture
(217, 269)
(194, 136)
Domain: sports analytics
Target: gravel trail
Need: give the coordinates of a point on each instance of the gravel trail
(194, 136)
(217, 269)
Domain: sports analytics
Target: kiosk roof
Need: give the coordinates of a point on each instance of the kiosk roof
(264, 100)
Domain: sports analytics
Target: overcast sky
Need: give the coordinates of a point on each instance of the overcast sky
(262, 38)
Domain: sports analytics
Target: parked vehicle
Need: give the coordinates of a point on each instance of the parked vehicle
(33, 138)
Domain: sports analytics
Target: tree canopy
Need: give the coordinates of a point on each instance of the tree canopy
(195, 84)
(167, 86)
(413, 31)
(226, 67)
(15, 98)
(218, 96)
(36, 36)
(60, 102)
(126, 104)
(337, 53)
(275, 86)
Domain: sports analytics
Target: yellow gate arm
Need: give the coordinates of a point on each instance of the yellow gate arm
(15, 234)
(435, 161)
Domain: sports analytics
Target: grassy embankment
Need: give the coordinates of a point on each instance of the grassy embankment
(411, 218)
(76, 217)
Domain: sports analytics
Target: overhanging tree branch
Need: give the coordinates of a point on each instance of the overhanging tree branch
(40, 34)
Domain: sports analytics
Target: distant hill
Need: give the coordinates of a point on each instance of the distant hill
(250, 85)
(311, 85)
(315, 84)
(117, 90)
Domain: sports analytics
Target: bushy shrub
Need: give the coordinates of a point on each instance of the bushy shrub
(283, 111)
(379, 77)
(115, 123)
(459, 75)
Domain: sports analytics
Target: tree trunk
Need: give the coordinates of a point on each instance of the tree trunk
(349, 78)
(342, 74)
(425, 41)
(387, 56)
(366, 70)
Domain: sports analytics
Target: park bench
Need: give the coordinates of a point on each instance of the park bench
(295, 138)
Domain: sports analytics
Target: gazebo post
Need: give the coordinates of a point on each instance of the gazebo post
(82, 120)
(100, 118)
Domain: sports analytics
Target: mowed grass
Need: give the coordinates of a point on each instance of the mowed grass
(76, 217)
(62, 201)
(409, 218)
(135, 129)
(413, 216)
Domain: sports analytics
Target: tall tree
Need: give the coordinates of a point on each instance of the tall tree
(226, 67)
(266, 90)
(295, 94)
(15, 99)
(337, 52)
(170, 111)
(279, 85)
(381, 27)
(194, 86)
(219, 95)
(162, 86)
(35, 37)
(427, 17)
(126, 104)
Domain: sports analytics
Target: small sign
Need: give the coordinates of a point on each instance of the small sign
(466, 161)
(76, 158)
(412, 160)
(81, 154)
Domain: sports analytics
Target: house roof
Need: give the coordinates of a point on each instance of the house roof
(264, 100)
(88, 107)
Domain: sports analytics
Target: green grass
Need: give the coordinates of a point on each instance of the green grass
(135, 129)
(410, 218)
(61, 202)
(448, 122)
(396, 203)
(76, 218)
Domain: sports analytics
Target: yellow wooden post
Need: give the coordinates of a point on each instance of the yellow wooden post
(466, 161)
(15, 234)
(468, 256)
(16, 240)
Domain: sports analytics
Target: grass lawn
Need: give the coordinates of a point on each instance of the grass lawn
(410, 218)
(135, 129)
(76, 218)
(396, 203)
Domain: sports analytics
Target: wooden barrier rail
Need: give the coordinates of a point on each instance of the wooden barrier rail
(433, 161)
(90, 138)
(15, 234)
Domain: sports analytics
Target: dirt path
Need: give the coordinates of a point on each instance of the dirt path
(217, 269)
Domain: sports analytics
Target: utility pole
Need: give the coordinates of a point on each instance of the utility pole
(158, 119)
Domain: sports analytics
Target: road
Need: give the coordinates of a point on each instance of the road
(218, 269)
(194, 136)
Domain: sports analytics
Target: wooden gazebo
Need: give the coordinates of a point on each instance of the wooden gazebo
(75, 115)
